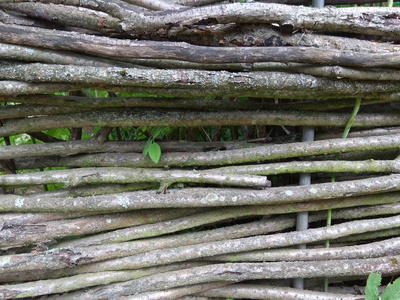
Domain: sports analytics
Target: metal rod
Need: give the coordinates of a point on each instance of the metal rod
(302, 217)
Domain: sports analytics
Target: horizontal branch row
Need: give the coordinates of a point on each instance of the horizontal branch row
(134, 20)
(201, 197)
(256, 154)
(183, 118)
(159, 257)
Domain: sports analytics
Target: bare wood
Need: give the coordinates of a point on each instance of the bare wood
(67, 15)
(227, 157)
(60, 258)
(34, 54)
(77, 177)
(202, 197)
(176, 293)
(375, 249)
(241, 272)
(182, 51)
(18, 235)
(249, 291)
(343, 211)
(182, 118)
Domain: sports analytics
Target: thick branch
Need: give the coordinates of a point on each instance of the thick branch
(241, 272)
(17, 235)
(77, 177)
(248, 291)
(236, 231)
(376, 249)
(191, 79)
(182, 118)
(202, 197)
(142, 257)
(182, 51)
(227, 157)
(34, 54)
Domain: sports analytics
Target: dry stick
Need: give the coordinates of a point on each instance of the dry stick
(68, 15)
(99, 278)
(240, 81)
(236, 212)
(230, 232)
(329, 166)
(202, 197)
(275, 269)
(176, 293)
(18, 235)
(328, 19)
(76, 147)
(251, 291)
(237, 272)
(125, 249)
(60, 258)
(77, 177)
(18, 111)
(14, 88)
(180, 118)
(34, 54)
(227, 157)
(181, 103)
(376, 249)
(108, 47)
(373, 21)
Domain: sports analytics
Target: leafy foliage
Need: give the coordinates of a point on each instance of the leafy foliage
(152, 148)
(392, 291)
(371, 290)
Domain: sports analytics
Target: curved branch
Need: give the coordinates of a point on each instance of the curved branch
(76, 177)
(202, 197)
(249, 291)
(182, 118)
(218, 158)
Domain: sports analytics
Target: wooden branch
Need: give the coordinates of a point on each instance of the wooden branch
(144, 256)
(182, 118)
(109, 47)
(88, 280)
(356, 20)
(78, 177)
(202, 197)
(249, 291)
(232, 232)
(156, 4)
(90, 146)
(333, 166)
(34, 54)
(192, 79)
(375, 249)
(68, 16)
(372, 21)
(227, 157)
(239, 272)
(176, 293)
(18, 235)
(237, 231)
(18, 111)
(14, 88)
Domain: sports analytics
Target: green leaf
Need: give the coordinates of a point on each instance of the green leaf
(155, 152)
(146, 147)
(392, 291)
(157, 132)
(371, 290)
